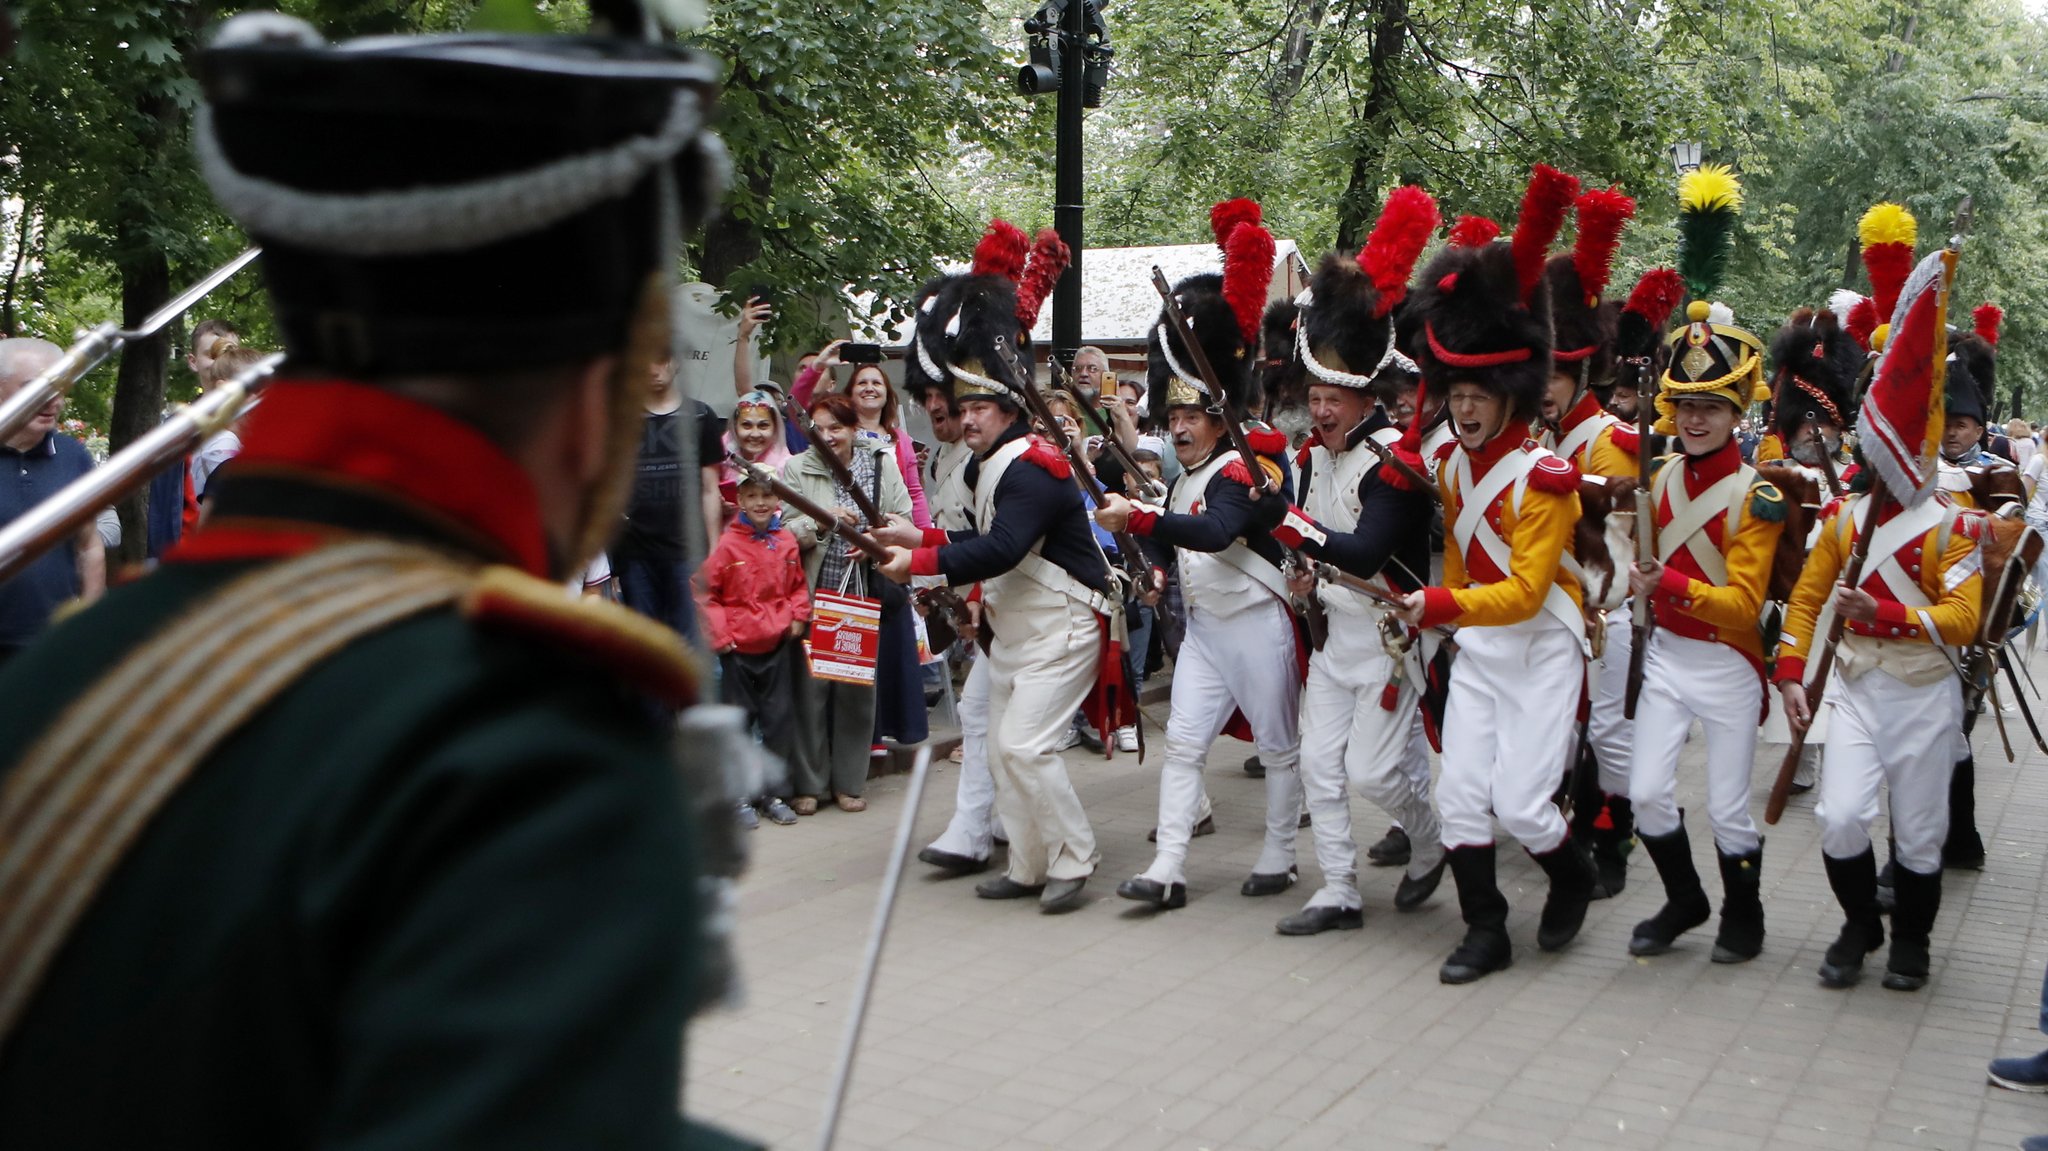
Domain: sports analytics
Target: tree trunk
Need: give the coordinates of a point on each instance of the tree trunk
(139, 384)
(1301, 42)
(1361, 199)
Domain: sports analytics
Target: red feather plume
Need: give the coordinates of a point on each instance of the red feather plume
(1042, 269)
(1544, 204)
(1248, 276)
(1863, 321)
(1226, 216)
(1406, 223)
(1603, 213)
(1473, 232)
(1001, 251)
(1888, 265)
(1986, 318)
(1655, 295)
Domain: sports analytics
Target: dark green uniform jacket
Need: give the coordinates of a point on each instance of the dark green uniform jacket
(439, 894)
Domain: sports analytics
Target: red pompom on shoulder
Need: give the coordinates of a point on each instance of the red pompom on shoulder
(1972, 523)
(1237, 472)
(1554, 474)
(1045, 455)
(1627, 438)
(1266, 440)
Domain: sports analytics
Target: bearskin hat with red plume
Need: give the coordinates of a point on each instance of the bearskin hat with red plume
(1347, 313)
(1226, 312)
(966, 335)
(1582, 324)
(1484, 308)
(1283, 382)
(1976, 351)
(1814, 362)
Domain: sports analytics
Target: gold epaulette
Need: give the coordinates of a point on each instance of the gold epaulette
(649, 655)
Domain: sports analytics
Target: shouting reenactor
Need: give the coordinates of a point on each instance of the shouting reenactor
(1046, 596)
(1361, 703)
(1509, 510)
(391, 849)
(1239, 655)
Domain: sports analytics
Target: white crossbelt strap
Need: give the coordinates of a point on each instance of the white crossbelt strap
(1893, 534)
(1034, 566)
(1580, 438)
(1472, 524)
(1690, 515)
(1237, 555)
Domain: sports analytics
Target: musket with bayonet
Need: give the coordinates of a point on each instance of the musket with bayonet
(88, 350)
(1135, 565)
(1852, 572)
(58, 518)
(1645, 619)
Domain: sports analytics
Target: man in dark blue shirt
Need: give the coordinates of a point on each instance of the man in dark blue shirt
(38, 463)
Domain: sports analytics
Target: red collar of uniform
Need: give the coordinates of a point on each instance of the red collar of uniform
(336, 432)
(1702, 472)
(1493, 451)
(1587, 407)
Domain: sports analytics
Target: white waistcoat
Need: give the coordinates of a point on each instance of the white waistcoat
(1332, 500)
(1226, 582)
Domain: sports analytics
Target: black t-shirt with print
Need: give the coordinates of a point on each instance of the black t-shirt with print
(654, 512)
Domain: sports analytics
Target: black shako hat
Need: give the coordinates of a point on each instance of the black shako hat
(454, 203)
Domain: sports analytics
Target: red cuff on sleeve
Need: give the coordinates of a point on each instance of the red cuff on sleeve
(1142, 521)
(973, 593)
(1674, 583)
(1891, 613)
(936, 538)
(924, 562)
(1790, 669)
(1439, 606)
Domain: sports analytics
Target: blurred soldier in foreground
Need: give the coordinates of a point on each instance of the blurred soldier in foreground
(346, 827)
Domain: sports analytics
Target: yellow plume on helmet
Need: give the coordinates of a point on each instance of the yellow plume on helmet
(1887, 224)
(1708, 188)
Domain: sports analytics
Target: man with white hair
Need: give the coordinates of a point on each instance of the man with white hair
(44, 460)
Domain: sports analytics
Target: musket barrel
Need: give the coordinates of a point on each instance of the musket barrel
(56, 519)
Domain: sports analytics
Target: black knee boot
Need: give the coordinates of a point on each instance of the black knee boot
(1685, 902)
(1741, 937)
(1571, 890)
(1919, 899)
(1964, 850)
(1485, 948)
(1855, 883)
(1613, 835)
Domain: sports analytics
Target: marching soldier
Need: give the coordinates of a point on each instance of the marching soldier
(1895, 697)
(1510, 507)
(1361, 702)
(1240, 653)
(1579, 429)
(1717, 531)
(1045, 588)
(390, 848)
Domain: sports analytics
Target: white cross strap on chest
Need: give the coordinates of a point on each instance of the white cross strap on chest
(1690, 515)
(1581, 437)
(1472, 525)
(1254, 566)
(1892, 535)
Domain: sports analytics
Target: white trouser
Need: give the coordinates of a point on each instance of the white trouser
(1608, 731)
(1034, 687)
(1244, 662)
(1899, 735)
(1415, 757)
(973, 830)
(1509, 725)
(1348, 738)
(1683, 680)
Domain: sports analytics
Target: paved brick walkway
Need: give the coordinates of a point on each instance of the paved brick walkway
(995, 1027)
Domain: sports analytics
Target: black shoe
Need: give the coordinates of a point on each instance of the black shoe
(1316, 920)
(1686, 905)
(1485, 948)
(1062, 895)
(1919, 901)
(1162, 896)
(1206, 827)
(1254, 768)
(1414, 891)
(1571, 891)
(948, 861)
(1391, 851)
(1854, 881)
(1257, 884)
(1613, 837)
(1003, 887)
(1741, 937)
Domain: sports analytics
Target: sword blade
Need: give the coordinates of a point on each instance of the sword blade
(190, 296)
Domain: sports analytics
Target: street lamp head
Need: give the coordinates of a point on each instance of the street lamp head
(1685, 156)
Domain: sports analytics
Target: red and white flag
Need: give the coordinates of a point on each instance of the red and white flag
(1903, 413)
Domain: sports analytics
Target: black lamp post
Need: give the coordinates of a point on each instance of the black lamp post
(1070, 54)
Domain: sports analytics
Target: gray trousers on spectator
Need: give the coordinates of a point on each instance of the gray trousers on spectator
(837, 721)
